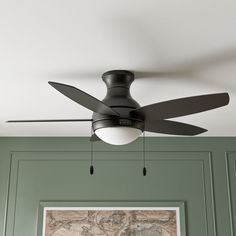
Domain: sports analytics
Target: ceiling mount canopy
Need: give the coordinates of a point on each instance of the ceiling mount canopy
(118, 119)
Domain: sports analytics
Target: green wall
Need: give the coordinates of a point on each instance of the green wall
(201, 172)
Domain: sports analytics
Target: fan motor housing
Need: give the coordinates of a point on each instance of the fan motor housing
(119, 99)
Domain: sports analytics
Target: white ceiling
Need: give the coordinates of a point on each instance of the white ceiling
(176, 49)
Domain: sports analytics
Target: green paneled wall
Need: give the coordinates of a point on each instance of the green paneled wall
(198, 171)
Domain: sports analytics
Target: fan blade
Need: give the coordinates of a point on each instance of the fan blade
(182, 106)
(84, 99)
(94, 138)
(62, 120)
(172, 127)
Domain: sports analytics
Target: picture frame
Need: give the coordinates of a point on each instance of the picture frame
(56, 217)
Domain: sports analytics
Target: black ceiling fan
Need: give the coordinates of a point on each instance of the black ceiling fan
(119, 109)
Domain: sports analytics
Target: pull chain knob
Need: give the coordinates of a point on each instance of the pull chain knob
(91, 170)
(144, 171)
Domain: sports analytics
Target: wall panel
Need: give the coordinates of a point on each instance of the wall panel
(172, 176)
(200, 172)
(231, 174)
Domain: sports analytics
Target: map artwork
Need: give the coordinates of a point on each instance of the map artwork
(112, 222)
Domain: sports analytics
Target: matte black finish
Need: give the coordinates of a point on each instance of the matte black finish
(144, 171)
(83, 99)
(118, 78)
(61, 120)
(118, 97)
(98, 124)
(91, 170)
(172, 127)
(182, 106)
(118, 84)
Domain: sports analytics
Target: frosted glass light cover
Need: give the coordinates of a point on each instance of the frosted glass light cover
(118, 135)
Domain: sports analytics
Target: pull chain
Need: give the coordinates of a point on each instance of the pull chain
(91, 170)
(144, 156)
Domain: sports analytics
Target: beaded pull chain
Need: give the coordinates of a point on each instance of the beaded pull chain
(144, 157)
(91, 169)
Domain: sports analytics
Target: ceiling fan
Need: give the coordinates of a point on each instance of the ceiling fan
(118, 119)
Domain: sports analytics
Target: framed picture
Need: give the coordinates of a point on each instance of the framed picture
(111, 219)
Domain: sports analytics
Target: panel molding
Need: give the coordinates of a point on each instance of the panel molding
(230, 172)
(206, 165)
